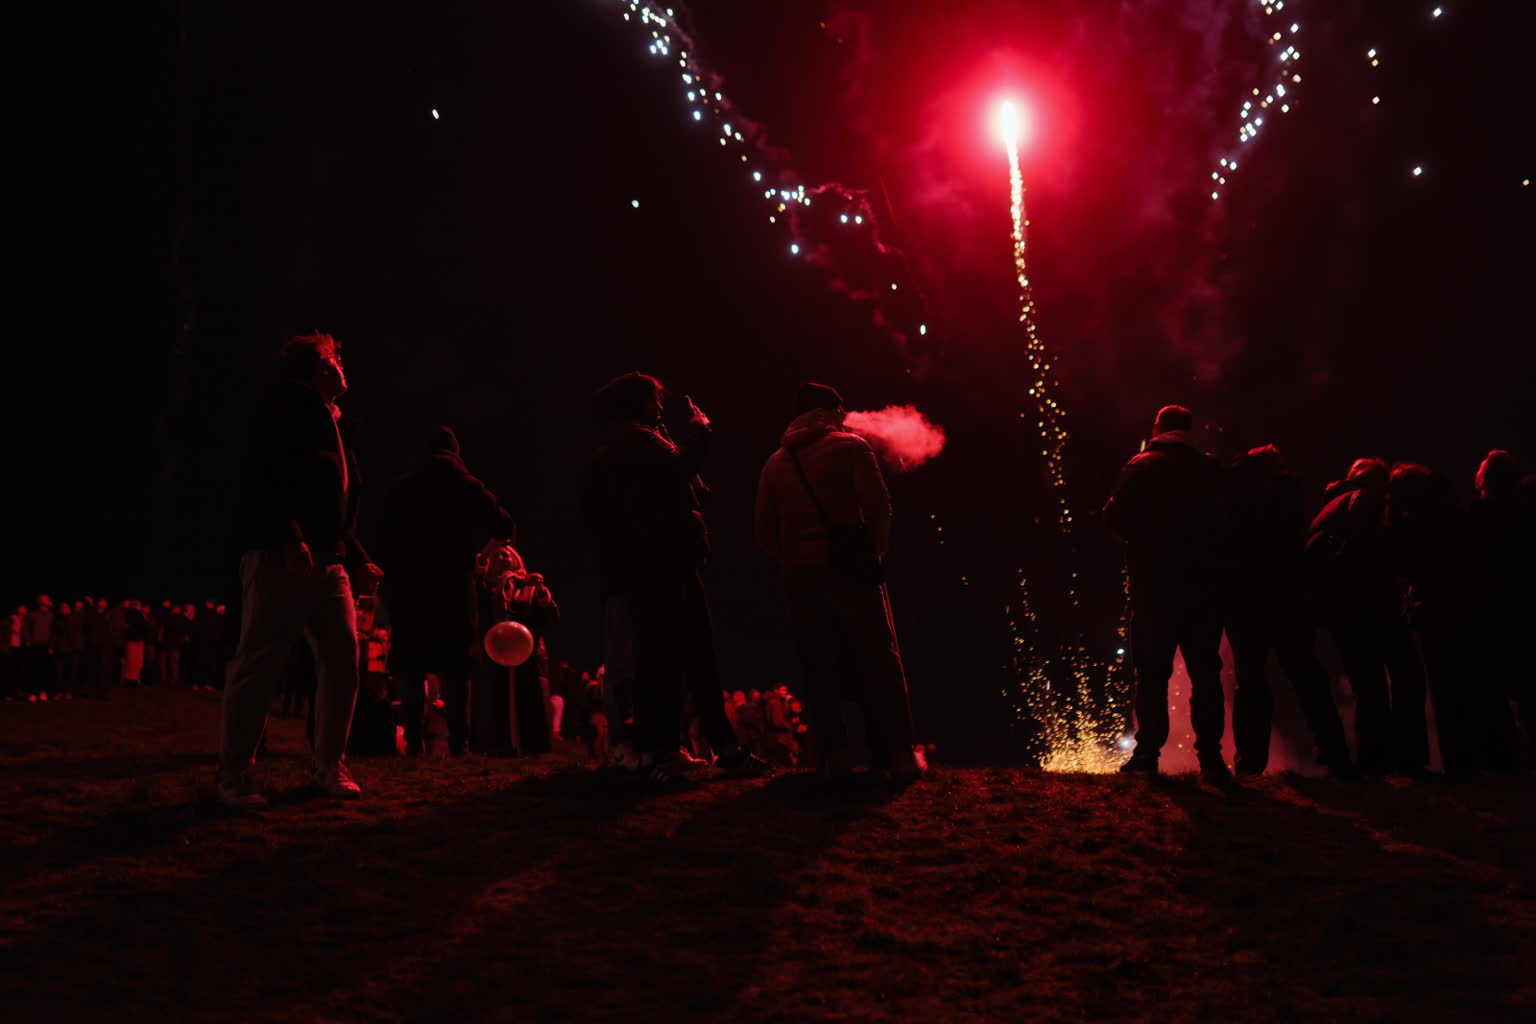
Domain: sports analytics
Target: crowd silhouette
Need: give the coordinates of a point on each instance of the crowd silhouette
(1426, 603)
(63, 649)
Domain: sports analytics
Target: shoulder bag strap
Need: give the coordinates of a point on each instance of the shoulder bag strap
(810, 491)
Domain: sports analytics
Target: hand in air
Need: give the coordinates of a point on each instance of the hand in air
(695, 414)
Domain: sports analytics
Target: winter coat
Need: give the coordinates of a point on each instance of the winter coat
(69, 632)
(844, 473)
(1349, 558)
(1170, 506)
(433, 522)
(642, 508)
(301, 481)
(116, 626)
(37, 628)
(1267, 530)
(1504, 529)
(1437, 554)
(512, 597)
(137, 627)
(175, 630)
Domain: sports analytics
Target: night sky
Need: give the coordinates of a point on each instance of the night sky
(195, 181)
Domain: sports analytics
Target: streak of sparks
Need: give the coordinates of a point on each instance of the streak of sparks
(1079, 728)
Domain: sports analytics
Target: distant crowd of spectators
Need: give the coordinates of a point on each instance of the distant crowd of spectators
(57, 650)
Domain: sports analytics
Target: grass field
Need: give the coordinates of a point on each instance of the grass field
(534, 891)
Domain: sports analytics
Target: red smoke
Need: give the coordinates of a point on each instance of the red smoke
(900, 433)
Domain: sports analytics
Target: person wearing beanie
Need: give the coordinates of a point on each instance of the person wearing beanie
(824, 514)
(1169, 507)
(434, 520)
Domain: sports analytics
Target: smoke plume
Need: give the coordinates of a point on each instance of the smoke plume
(899, 432)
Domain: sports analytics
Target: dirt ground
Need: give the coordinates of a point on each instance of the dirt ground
(535, 891)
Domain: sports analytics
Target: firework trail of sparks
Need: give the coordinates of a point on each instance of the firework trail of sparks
(1064, 690)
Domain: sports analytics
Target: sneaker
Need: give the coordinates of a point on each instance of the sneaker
(238, 794)
(31, 698)
(335, 781)
(743, 764)
(1139, 765)
(909, 765)
(43, 697)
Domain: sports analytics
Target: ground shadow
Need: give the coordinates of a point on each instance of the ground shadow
(1364, 929)
(674, 919)
(320, 908)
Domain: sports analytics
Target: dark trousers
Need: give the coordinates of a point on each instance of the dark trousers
(848, 651)
(66, 671)
(1472, 715)
(12, 672)
(1254, 628)
(1165, 620)
(533, 736)
(40, 673)
(1511, 666)
(413, 695)
(1391, 730)
(490, 712)
(674, 647)
(100, 669)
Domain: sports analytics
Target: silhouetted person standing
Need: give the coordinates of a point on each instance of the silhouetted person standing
(136, 631)
(435, 520)
(1169, 506)
(1442, 562)
(1360, 599)
(68, 648)
(100, 651)
(298, 537)
(1504, 528)
(37, 636)
(511, 705)
(824, 514)
(1268, 610)
(642, 506)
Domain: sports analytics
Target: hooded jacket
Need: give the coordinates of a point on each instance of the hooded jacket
(1170, 507)
(845, 474)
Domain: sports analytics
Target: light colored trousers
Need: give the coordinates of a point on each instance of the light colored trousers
(279, 607)
(133, 660)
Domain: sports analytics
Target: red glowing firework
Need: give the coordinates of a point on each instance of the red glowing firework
(1012, 122)
(1058, 677)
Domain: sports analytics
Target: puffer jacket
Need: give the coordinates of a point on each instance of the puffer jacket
(845, 474)
(1170, 506)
